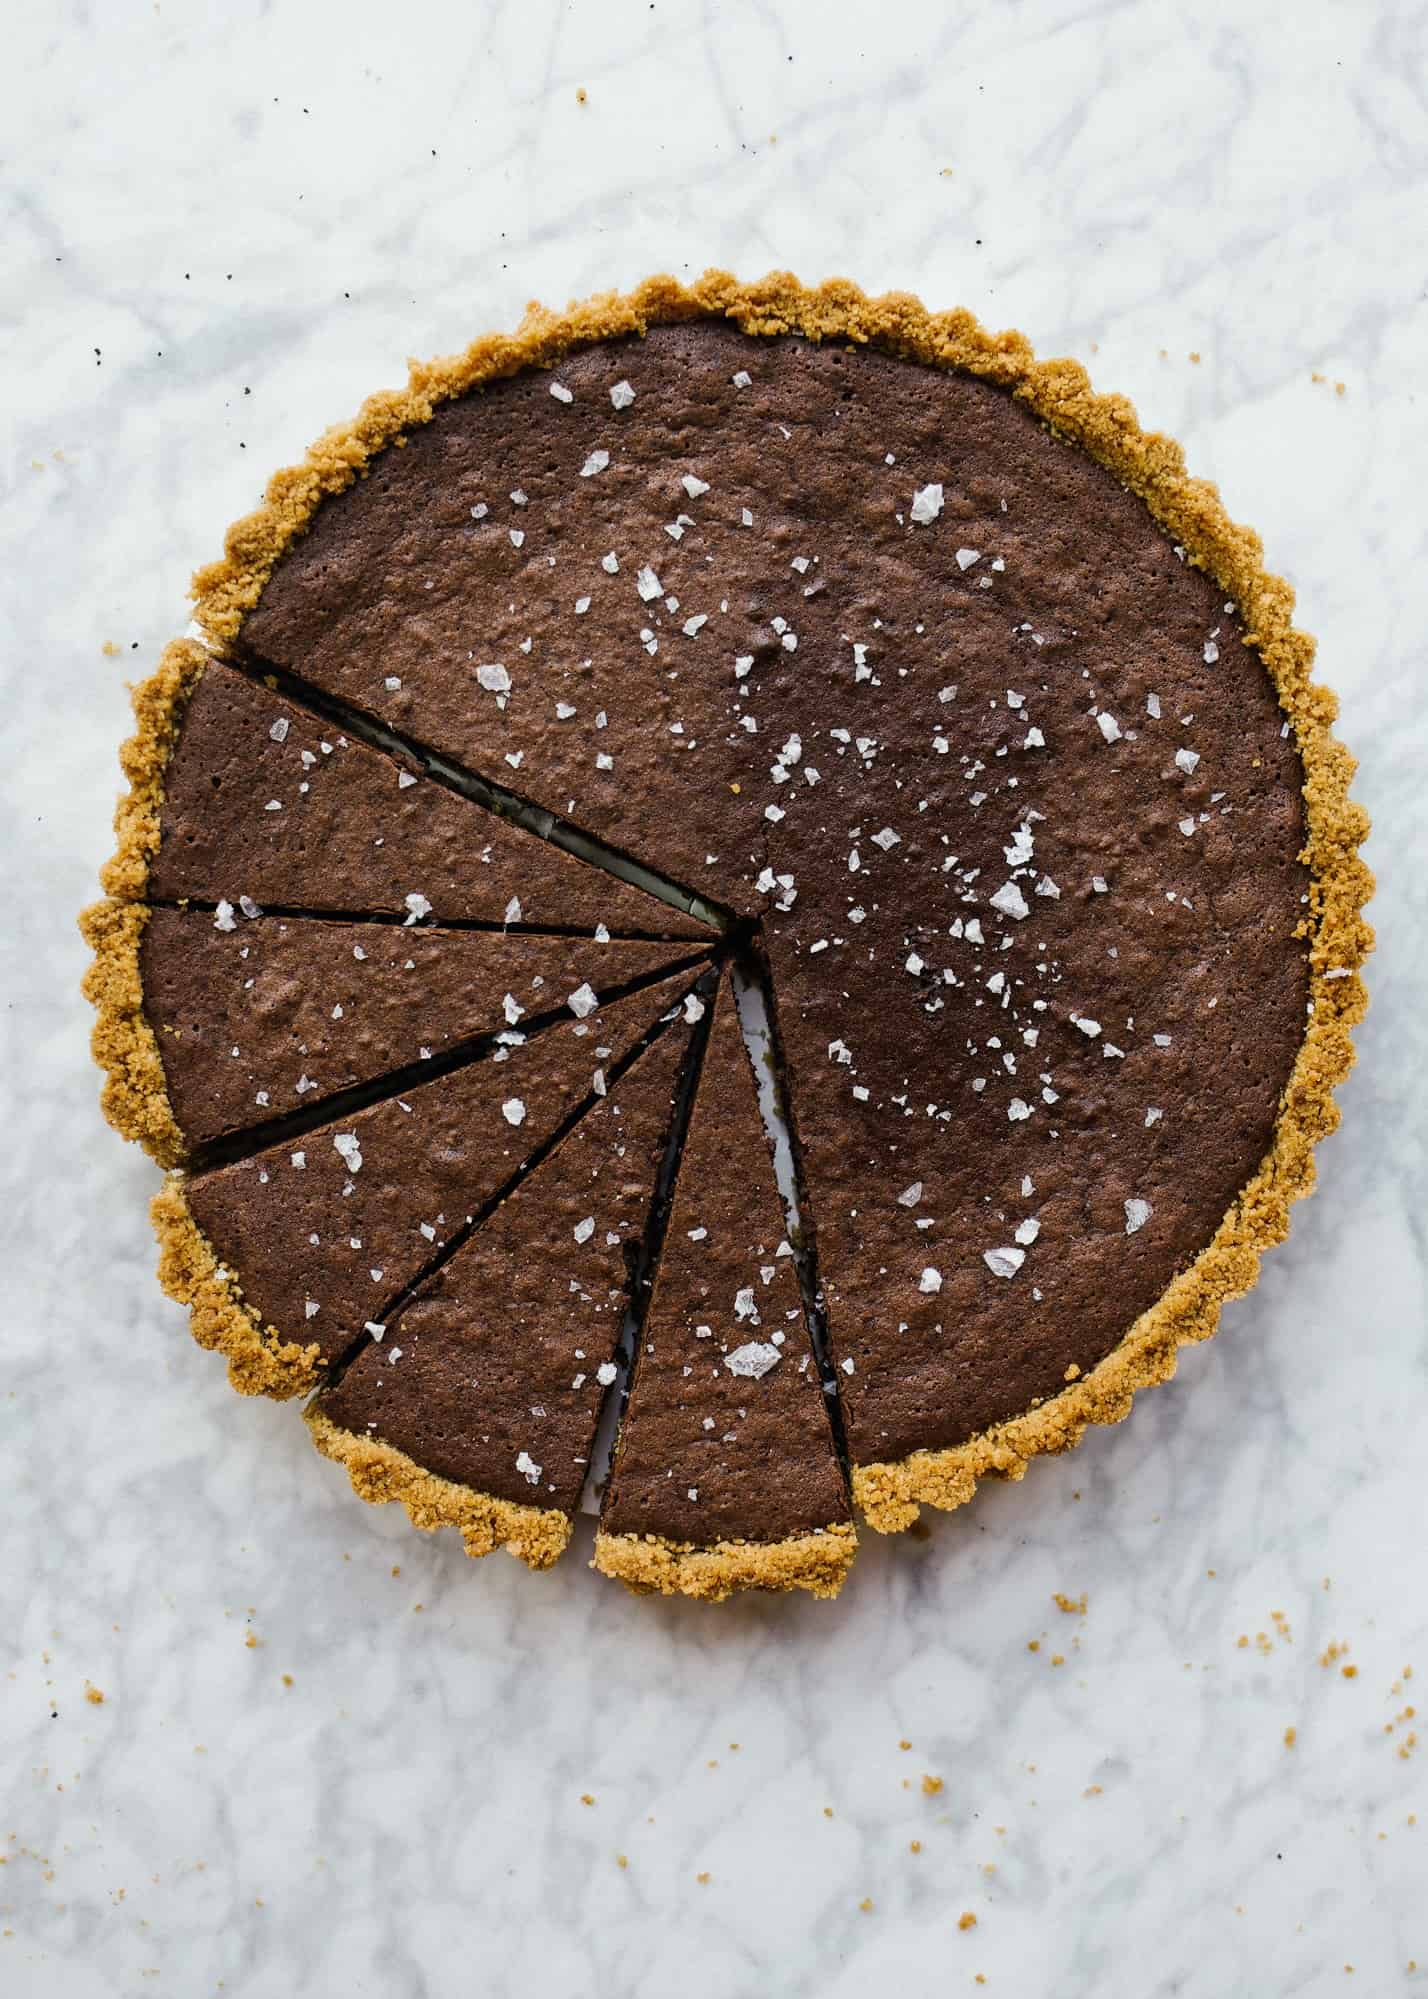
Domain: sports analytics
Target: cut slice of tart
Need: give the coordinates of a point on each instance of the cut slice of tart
(478, 1407)
(726, 1475)
(289, 1255)
(244, 799)
(254, 1020)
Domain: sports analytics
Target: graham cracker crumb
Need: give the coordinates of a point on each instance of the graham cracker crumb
(966, 1921)
(931, 1786)
(1073, 1606)
(1291, 1736)
(94, 1695)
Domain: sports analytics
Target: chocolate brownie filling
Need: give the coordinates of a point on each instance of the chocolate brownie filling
(863, 648)
(726, 1435)
(267, 805)
(257, 1019)
(493, 1375)
(324, 1232)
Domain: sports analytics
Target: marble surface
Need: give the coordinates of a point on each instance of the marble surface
(332, 1755)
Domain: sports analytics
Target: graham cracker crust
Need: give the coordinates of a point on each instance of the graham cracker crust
(260, 1360)
(535, 1535)
(651, 1566)
(1151, 465)
(135, 1097)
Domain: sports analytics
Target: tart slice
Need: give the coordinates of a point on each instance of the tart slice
(478, 1407)
(726, 1475)
(243, 798)
(288, 1256)
(254, 1020)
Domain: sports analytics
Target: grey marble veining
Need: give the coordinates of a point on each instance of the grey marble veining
(223, 227)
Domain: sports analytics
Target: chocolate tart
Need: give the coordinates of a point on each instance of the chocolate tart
(969, 718)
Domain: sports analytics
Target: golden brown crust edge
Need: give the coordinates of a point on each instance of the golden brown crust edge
(260, 1360)
(535, 1535)
(1151, 465)
(652, 1566)
(135, 1097)
(158, 703)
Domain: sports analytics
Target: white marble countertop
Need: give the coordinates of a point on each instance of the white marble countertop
(333, 1756)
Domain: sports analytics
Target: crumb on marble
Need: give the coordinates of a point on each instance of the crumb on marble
(94, 1695)
(966, 1921)
(587, 1798)
(931, 1786)
(1072, 1606)
(1291, 1736)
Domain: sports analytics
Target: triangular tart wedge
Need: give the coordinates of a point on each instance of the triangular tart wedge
(726, 1475)
(243, 797)
(250, 1021)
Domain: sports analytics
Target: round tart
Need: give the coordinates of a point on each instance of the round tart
(700, 650)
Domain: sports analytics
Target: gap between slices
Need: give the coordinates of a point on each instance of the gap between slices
(290, 1255)
(726, 1473)
(399, 920)
(498, 799)
(345, 1015)
(313, 812)
(479, 1403)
